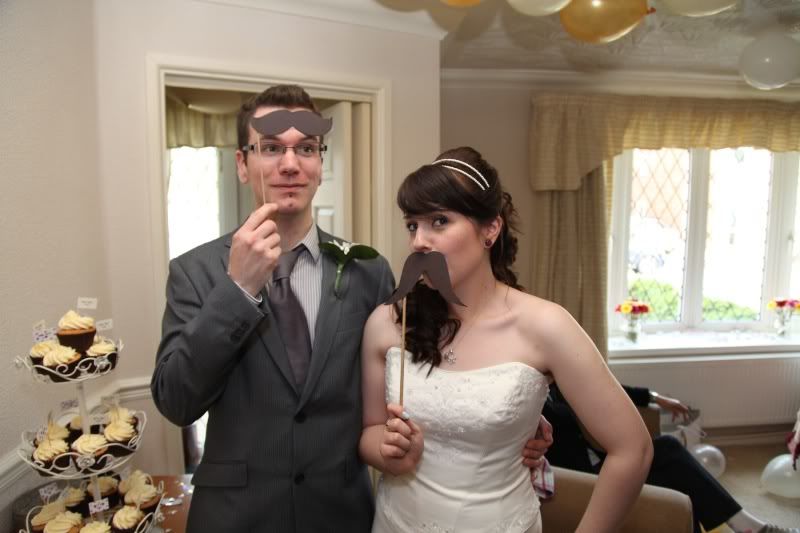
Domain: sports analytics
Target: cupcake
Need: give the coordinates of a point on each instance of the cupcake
(103, 347)
(76, 331)
(38, 352)
(60, 362)
(49, 454)
(123, 414)
(136, 478)
(65, 522)
(96, 527)
(54, 432)
(75, 427)
(145, 497)
(126, 519)
(119, 434)
(76, 500)
(108, 489)
(47, 513)
(91, 445)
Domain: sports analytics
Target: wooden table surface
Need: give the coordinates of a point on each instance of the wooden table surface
(175, 516)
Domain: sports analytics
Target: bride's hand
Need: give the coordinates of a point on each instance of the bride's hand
(402, 443)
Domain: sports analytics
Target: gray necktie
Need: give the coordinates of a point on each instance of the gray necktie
(289, 314)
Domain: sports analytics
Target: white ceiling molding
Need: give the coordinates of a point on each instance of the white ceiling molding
(417, 17)
(617, 82)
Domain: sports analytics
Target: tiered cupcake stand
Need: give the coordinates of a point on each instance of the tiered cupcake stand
(73, 465)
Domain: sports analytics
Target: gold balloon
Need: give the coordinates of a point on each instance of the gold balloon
(602, 21)
(462, 3)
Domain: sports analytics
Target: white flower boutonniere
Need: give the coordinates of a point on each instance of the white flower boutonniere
(343, 252)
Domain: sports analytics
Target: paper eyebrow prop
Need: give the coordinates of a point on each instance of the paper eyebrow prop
(434, 266)
(302, 120)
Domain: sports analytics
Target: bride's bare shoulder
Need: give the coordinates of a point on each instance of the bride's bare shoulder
(541, 317)
(381, 330)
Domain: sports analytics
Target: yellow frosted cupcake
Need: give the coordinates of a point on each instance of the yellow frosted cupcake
(145, 497)
(96, 527)
(38, 351)
(119, 433)
(60, 362)
(103, 347)
(54, 432)
(65, 522)
(76, 331)
(49, 454)
(108, 486)
(47, 513)
(136, 478)
(93, 446)
(126, 519)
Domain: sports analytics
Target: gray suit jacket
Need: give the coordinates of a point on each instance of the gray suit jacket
(276, 458)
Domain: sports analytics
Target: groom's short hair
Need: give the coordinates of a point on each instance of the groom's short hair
(289, 96)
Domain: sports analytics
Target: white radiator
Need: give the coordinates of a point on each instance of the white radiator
(740, 390)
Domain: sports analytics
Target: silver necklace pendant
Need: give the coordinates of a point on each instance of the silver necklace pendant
(450, 356)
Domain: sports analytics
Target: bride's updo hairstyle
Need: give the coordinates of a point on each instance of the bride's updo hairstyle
(458, 180)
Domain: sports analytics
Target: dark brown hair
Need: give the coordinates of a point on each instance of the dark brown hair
(289, 96)
(433, 188)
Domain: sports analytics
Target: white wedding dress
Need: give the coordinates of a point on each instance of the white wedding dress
(475, 424)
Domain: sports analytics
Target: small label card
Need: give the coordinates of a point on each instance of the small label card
(104, 325)
(45, 334)
(86, 302)
(41, 434)
(99, 506)
(48, 491)
(69, 404)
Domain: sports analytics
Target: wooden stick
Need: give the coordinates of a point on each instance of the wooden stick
(261, 173)
(403, 352)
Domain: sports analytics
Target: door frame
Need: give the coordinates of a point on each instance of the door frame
(204, 73)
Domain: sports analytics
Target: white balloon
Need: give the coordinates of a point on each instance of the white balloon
(770, 61)
(710, 457)
(780, 478)
(698, 8)
(538, 8)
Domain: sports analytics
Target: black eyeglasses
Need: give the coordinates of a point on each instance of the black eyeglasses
(273, 150)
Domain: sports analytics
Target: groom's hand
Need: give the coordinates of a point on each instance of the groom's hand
(535, 448)
(402, 443)
(255, 249)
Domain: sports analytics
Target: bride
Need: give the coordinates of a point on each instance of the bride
(476, 376)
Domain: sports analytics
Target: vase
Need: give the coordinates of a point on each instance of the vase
(783, 318)
(632, 327)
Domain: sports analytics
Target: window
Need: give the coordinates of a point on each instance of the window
(704, 236)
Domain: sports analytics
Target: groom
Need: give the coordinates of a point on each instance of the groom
(278, 370)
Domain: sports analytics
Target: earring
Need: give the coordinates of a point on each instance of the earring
(488, 243)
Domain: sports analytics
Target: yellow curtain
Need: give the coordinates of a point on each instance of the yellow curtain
(186, 127)
(573, 137)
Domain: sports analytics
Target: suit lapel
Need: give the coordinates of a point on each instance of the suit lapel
(268, 330)
(330, 309)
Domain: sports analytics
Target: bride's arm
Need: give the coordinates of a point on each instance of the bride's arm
(603, 407)
(396, 446)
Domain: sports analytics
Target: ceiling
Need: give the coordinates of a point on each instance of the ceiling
(491, 40)
(493, 35)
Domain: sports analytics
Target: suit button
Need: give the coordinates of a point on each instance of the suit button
(300, 417)
(299, 478)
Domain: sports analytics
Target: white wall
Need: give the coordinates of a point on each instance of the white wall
(75, 202)
(495, 122)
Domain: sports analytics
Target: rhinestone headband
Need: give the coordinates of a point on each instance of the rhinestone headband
(483, 186)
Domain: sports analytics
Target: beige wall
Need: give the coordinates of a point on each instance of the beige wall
(495, 122)
(75, 204)
(51, 214)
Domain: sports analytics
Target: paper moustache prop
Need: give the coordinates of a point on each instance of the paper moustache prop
(281, 120)
(434, 266)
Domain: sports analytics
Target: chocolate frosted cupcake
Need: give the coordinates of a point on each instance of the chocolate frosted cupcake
(108, 489)
(47, 513)
(49, 454)
(103, 347)
(119, 435)
(76, 331)
(60, 362)
(96, 527)
(126, 519)
(145, 497)
(93, 446)
(76, 500)
(65, 522)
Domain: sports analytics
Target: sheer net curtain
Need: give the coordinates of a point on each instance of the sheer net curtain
(573, 139)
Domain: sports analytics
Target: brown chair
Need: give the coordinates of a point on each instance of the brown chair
(657, 510)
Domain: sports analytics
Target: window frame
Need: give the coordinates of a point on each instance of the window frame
(778, 252)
